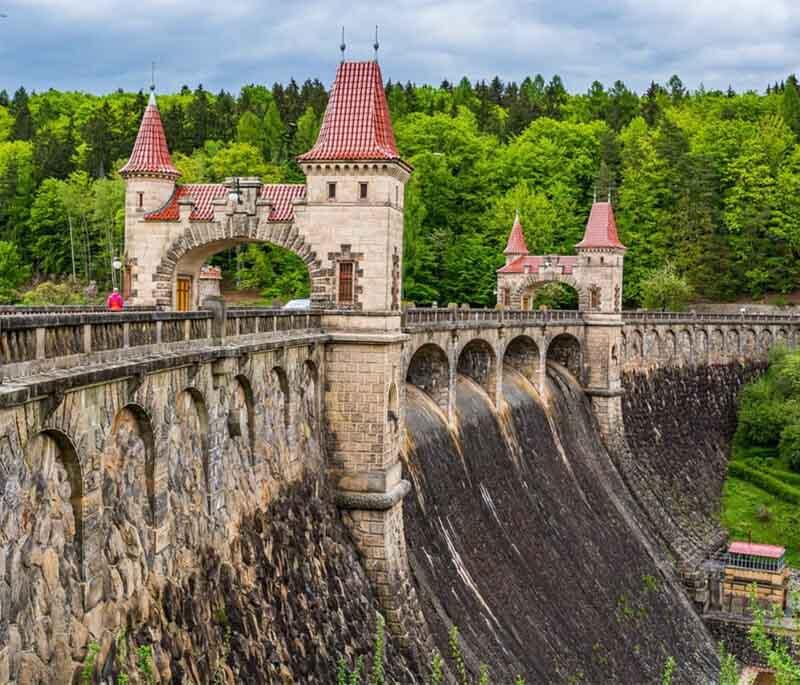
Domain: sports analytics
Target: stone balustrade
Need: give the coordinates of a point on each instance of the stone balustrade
(421, 318)
(42, 341)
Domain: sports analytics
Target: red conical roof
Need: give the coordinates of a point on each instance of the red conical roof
(601, 229)
(516, 240)
(150, 154)
(357, 125)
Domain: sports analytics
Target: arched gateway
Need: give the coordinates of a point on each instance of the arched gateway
(345, 222)
(595, 272)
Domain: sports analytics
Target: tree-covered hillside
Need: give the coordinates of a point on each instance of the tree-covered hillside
(706, 180)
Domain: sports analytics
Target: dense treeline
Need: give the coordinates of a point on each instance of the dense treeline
(705, 180)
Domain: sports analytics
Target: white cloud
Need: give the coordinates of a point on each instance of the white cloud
(104, 44)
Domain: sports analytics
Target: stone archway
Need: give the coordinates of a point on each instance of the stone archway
(533, 281)
(477, 360)
(565, 349)
(429, 370)
(187, 254)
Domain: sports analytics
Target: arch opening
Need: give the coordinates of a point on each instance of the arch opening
(133, 450)
(52, 455)
(565, 349)
(280, 383)
(477, 361)
(241, 416)
(560, 294)
(522, 354)
(429, 370)
(634, 346)
(189, 465)
(242, 270)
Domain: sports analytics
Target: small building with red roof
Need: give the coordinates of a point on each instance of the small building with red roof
(750, 565)
(345, 222)
(595, 271)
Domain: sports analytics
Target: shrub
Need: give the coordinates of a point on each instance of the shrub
(53, 293)
(765, 481)
(761, 423)
(664, 288)
(785, 375)
(13, 272)
(790, 446)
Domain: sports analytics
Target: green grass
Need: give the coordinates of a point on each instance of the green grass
(741, 502)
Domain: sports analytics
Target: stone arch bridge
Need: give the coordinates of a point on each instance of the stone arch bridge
(131, 441)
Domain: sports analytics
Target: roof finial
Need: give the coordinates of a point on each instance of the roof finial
(376, 44)
(516, 215)
(594, 199)
(152, 83)
(342, 45)
(609, 194)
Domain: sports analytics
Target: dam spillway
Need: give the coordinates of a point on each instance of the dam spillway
(521, 533)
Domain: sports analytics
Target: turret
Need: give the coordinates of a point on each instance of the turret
(516, 246)
(355, 194)
(149, 184)
(600, 261)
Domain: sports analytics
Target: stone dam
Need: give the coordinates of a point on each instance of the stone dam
(174, 482)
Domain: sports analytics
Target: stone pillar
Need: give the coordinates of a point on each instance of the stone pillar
(601, 369)
(363, 437)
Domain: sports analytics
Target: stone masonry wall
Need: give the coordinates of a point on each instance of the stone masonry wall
(129, 505)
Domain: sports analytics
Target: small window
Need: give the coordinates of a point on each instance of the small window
(345, 282)
(141, 199)
(397, 195)
(331, 191)
(362, 191)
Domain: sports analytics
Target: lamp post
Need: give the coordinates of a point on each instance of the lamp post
(116, 265)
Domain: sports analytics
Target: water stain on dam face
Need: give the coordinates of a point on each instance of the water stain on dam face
(522, 534)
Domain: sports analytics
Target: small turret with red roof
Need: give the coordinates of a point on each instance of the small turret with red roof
(516, 245)
(150, 155)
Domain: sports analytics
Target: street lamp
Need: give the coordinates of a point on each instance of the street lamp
(116, 265)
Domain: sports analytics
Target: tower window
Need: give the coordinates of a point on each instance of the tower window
(397, 195)
(362, 191)
(140, 200)
(345, 282)
(331, 191)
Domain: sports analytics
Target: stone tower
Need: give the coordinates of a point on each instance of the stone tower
(149, 183)
(599, 273)
(355, 183)
(353, 215)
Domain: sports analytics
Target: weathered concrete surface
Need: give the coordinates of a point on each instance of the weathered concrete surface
(679, 423)
(523, 535)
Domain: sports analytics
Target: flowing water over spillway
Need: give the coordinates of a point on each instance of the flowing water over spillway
(521, 533)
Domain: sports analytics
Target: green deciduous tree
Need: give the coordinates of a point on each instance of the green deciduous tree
(665, 289)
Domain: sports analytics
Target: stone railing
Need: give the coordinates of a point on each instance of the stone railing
(431, 318)
(19, 309)
(707, 317)
(41, 342)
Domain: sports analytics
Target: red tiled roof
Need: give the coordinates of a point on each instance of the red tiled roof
(601, 229)
(533, 262)
(516, 240)
(357, 125)
(281, 195)
(756, 550)
(150, 153)
(204, 194)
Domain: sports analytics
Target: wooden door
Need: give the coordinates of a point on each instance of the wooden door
(184, 293)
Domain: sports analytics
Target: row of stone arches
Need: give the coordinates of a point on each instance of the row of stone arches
(158, 479)
(431, 370)
(644, 346)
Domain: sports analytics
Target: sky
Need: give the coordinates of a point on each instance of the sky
(102, 45)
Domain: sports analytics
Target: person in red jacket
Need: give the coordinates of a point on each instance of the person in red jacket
(114, 301)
